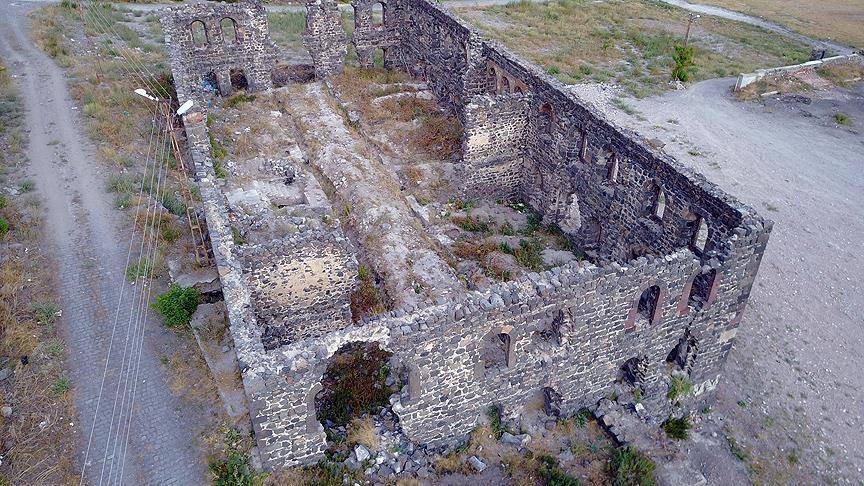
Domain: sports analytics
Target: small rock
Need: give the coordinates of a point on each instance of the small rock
(4, 373)
(385, 471)
(362, 453)
(477, 463)
(6, 411)
(353, 117)
(518, 440)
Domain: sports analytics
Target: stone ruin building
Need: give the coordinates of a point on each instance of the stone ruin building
(675, 257)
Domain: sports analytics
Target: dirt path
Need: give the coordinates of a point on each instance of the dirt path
(796, 366)
(85, 234)
(758, 22)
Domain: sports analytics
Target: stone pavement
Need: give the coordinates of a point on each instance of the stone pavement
(85, 234)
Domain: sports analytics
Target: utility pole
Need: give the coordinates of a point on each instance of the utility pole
(690, 19)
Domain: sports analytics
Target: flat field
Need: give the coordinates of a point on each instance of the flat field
(838, 20)
(629, 42)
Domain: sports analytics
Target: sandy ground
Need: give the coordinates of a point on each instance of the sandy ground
(793, 390)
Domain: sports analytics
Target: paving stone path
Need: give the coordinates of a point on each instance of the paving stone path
(86, 235)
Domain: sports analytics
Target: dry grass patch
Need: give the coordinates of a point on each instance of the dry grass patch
(776, 85)
(839, 20)
(362, 431)
(842, 75)
(188, 375)
(629, 42)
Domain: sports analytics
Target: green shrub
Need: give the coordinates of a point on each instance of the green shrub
(216, 149)
(528, 254)
(234, 470)
(581, 418)
(140, 269)
(174, 205)
(4, 228)
(27, 186)
(553, 475)
(677, 429)
(61, 385)
(684, 66)
(842, 119)
(46, 313)
(220, 171)
(177, 305)
(629, 467)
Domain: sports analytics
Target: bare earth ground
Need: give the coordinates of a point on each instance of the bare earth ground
(86, 234)
(793, 388)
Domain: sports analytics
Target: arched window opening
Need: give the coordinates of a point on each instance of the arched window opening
(583, 149)
(229, 30)
(497, 349)
(683, 354)
(378, 61)
(238, 79)
(660, 204)
(647, 310)
(700, 238)
(313, 426)
(199, 33)
(702, 290)
(505, 85)
(551, 402)
(547, 118)
(379, 12)
(633, 372)
(210, 83)
(612, 173)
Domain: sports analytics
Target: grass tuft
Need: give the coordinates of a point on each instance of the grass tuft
(677, 429)
(629, 467)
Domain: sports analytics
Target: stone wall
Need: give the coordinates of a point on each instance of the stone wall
(676, 258)
(570, 329)
(300, 285)
(219, 45)
(372, 33)
(325, 37)
(494, 131)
